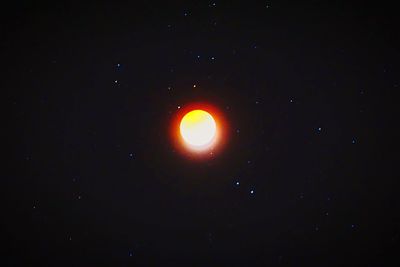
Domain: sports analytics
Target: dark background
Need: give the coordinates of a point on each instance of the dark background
(309, 91)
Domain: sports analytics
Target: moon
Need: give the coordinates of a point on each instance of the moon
(198, 129)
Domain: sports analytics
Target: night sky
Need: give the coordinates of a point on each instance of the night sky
(306, 178)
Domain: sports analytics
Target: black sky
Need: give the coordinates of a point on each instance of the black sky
(307, 177)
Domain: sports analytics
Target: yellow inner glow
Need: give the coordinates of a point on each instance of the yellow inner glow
(198, 128)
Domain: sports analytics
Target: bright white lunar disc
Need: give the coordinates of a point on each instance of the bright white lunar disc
(198, 128)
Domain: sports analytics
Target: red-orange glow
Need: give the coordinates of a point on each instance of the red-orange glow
(213, 126)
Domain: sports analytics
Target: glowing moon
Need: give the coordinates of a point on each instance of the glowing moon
(198, 129)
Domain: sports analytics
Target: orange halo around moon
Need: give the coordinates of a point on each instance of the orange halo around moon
(198, 130)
